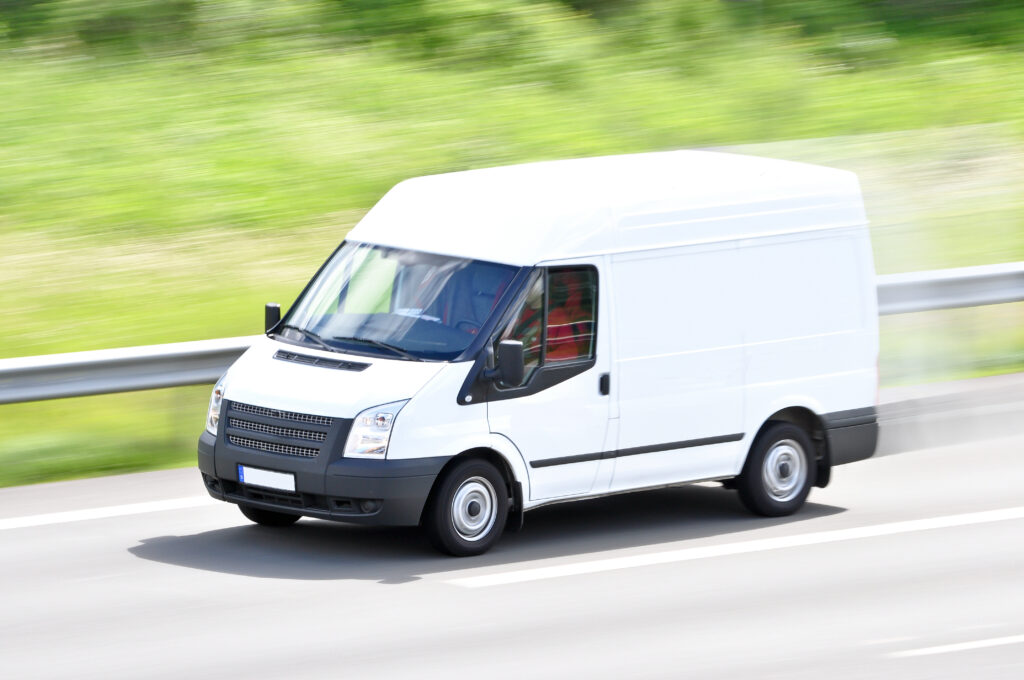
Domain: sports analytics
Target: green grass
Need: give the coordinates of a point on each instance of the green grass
(159, 189)
(109, 434)
(952, 344)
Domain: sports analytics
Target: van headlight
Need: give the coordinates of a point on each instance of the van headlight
(213, 413)
(371, 431)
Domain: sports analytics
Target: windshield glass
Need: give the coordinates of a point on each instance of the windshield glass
(397, 303)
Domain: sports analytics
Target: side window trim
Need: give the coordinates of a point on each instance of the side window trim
(476, 390)
(546, 273)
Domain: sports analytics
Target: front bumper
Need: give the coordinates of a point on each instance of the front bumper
(356, 490)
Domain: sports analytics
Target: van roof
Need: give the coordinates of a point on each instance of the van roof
(556, 210)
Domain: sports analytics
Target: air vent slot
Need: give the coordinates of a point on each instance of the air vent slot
(283, 415)
(274, 447)
(291, 433)
(320, 362)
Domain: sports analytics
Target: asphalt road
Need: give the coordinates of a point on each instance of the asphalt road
(906, 566)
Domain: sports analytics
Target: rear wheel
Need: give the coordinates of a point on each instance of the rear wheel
(779, 471)
(467, 512)
(268, 518)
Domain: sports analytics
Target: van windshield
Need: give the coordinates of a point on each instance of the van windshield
(397, 303)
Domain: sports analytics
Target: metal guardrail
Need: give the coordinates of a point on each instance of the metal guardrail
(946, 288)
(105, 371)
(195, 363)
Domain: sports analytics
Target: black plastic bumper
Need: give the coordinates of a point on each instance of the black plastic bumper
(852, 435)
(361, 491)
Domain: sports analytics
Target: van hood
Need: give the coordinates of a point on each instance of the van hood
(260, 379)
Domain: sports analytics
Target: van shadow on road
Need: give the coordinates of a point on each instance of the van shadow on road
(321, 550)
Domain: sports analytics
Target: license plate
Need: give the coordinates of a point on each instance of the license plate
(268, 479)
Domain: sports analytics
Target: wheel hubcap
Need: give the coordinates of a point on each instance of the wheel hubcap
(785, 470)
(474, 508)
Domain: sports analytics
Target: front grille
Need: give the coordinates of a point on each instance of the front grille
(314, 436)
(273, 447)
(282, 415)
(285, 433)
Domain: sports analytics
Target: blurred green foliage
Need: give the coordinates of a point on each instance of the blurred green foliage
(435, 26)
(506, 32)
(102, 435)
(166, 166)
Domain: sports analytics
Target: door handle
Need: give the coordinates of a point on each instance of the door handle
(604, 384)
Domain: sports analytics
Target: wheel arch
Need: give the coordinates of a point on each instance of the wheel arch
(505, 467)
(811, 423)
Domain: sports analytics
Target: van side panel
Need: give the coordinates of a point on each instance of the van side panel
(678, 364)
(811, 334)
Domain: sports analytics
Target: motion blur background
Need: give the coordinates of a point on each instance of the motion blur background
(167, 166)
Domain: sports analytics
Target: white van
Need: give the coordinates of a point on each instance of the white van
(487, 342)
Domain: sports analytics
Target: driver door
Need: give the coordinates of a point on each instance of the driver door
(558, 417)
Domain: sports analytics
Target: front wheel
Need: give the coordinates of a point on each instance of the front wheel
(268, 518)
(467, 512)
(779, 471)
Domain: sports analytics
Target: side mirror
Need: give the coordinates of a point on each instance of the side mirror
(511, 365)
(271, 316)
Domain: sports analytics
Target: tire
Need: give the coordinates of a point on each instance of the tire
(468, 510)
(779, 471)
(268, 518)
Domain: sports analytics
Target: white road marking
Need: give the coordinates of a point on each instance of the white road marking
(102, 513)
(960, 647)
(759, 545)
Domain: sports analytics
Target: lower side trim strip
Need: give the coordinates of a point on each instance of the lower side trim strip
(636, 450)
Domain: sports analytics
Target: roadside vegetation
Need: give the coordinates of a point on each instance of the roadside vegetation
(166, 166)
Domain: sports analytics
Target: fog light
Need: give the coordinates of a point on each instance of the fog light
(369, 506)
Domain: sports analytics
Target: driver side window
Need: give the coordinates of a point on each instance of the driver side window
(556, 321)
(528, 326)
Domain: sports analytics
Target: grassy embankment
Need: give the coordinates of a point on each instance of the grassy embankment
(157, 190)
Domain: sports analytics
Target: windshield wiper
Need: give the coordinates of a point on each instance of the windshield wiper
(383, 345)
(310, 335)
